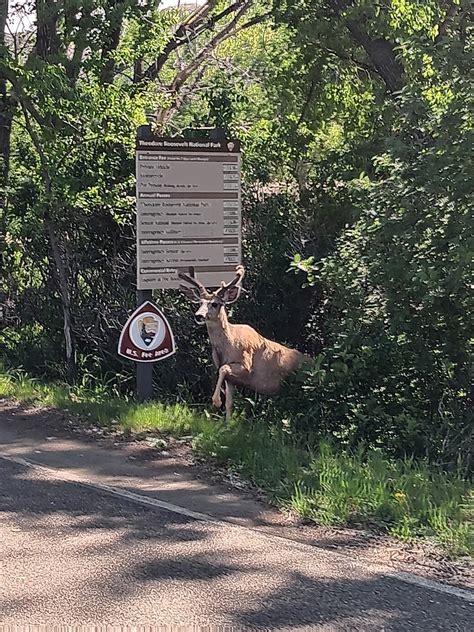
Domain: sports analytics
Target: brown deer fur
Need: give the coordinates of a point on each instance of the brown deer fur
(242, 355)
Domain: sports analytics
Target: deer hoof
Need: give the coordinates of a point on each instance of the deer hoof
(217, 402)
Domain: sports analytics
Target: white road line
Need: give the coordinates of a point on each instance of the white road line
(421, 582)
(159, 504)
(115, 491)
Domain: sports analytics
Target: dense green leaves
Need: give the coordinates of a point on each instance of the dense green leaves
(396, 365)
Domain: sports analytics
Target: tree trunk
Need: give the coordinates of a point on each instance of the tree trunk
(6, 115)
(382, 56)
(6, 112)
(48, 45)
(64, 291)
(47, 40)
(379, 50)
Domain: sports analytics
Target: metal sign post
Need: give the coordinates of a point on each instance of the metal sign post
(144, 372)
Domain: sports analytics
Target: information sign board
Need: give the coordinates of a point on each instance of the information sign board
(188, 210)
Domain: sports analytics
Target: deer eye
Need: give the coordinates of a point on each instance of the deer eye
(215, 304)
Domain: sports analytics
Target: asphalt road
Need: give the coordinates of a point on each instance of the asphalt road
(76, 555)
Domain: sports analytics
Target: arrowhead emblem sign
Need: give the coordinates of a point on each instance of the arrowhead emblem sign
(146, 336)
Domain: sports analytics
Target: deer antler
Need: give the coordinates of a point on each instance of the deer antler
(237, 280)
(192, 280)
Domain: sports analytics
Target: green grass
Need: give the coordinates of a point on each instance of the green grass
(404, 498)
(100, 407)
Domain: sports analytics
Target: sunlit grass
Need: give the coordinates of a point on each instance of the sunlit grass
(405, 498)
(103, 409)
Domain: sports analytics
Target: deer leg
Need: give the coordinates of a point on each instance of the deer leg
(233, 370)
(229, 395)
(216, 397)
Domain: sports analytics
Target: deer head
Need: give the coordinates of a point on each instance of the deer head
(211, 303)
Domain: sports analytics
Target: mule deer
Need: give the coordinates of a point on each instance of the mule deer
(242, 355)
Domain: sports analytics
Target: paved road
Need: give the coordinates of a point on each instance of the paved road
(76, 555)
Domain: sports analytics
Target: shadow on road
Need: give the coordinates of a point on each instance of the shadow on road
(116, 556)
(46, 437)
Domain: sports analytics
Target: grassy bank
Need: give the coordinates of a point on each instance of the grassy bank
(404, 498)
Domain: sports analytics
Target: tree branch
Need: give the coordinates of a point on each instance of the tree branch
(350, 58)
(45, 174)
(6, 109)
(180, 98)
(255, 20)
(307, 102)
(183, 75)
(112, 42)
(381, 54)
(451, 11)
(54, 240)
(45, 123)
(379, 50)
(191, 28)
(47, 40)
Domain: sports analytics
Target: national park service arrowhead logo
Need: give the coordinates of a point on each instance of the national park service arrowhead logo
(147, 336)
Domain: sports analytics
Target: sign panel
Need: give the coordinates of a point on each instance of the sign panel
(147, 336)
(188, 210)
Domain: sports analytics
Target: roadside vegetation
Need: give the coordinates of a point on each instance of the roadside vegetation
(355, 119)
(313, 479)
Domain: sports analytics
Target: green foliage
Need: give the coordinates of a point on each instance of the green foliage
(393, 324)
(356, 122)
(396, 364)
(402, 497)
(99, 404)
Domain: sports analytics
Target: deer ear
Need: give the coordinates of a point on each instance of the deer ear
(191, 293)
(232, 294)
